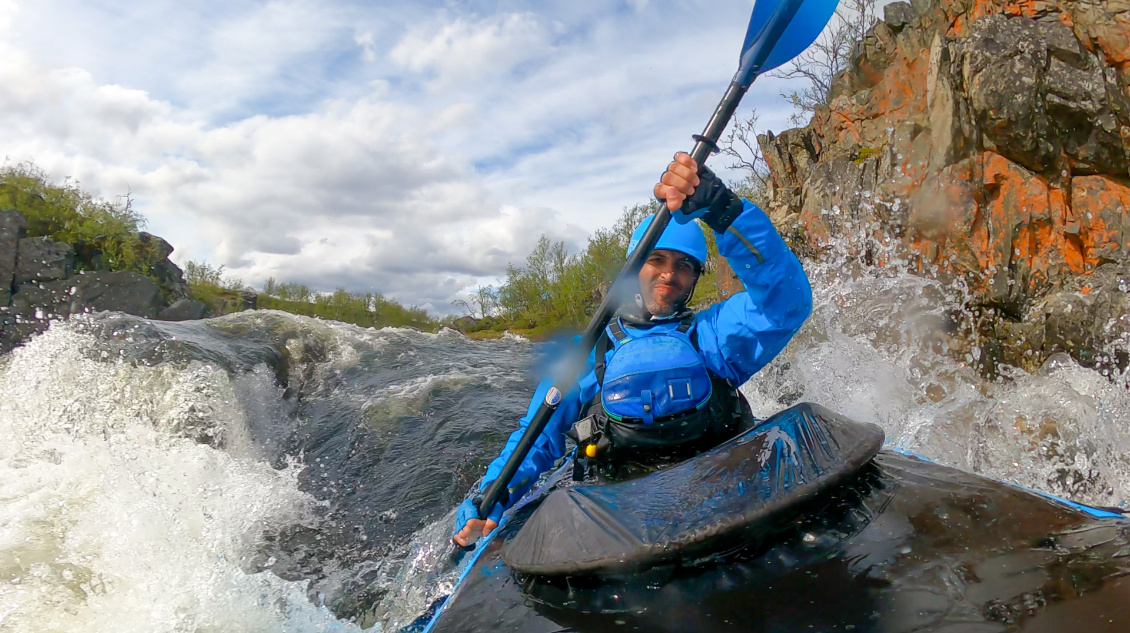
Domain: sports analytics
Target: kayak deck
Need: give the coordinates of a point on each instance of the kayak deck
(904, 545)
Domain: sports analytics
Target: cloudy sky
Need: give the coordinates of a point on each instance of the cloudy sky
(408, 147)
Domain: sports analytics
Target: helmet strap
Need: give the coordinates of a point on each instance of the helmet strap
(690, 295)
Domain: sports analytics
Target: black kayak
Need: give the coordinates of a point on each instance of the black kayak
(800, 524)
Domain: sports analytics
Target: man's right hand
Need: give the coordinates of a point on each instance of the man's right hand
(472, 526)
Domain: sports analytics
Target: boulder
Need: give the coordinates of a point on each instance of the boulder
(182, 310)
(1081, 318)
(464, 323)
(88, 292)
(36, 305)
(38, 285)
(898, 14)
(249, 299)
(168, 274)
(44, 301)
(117, 291)
(12, 227)
(41, 259)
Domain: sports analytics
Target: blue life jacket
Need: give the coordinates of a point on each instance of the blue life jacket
(657, 398)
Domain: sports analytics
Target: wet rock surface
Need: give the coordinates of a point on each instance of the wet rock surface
(12, 227)
(983, 143)
(39, 285)
(40, 259)
(182, 310)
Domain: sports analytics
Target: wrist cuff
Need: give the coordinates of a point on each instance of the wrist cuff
(719, 221)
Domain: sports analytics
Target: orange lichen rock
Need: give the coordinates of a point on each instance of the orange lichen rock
(991, 140)
(1102, 208)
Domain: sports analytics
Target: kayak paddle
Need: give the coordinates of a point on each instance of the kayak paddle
(778, 31)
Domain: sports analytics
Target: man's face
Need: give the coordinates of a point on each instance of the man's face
(666, 281)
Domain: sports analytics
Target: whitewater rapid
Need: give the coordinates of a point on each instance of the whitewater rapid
(267, 472)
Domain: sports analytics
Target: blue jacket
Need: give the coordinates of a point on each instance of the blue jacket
(736, 337)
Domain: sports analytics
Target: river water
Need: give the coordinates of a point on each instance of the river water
(268, 472)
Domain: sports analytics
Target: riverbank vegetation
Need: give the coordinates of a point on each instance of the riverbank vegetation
(558, 291)
(223, 294)
(105, 235)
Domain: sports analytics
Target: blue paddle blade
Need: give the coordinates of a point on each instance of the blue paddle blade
(810, 19)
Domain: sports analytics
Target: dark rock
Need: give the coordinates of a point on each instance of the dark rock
(12, 227)
(170, 276)
(43, 301)
(119, 292)
(1063, 45)
(1037, 95)
(89, 292)
(34, 307)
(1079, 319)
(249, 299)
(464, 323)
(898, 14)
(37, 286)
(1004, 62)
(157, 246)
(9, 338)
(40, 259)
(182, 310)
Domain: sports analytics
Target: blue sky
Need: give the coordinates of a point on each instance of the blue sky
(408, 148)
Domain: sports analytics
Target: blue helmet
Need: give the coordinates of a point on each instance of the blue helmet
(685, 238)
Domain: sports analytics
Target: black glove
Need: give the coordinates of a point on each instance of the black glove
(712, 202)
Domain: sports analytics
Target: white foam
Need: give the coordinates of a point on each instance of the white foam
(116, 514)
(875, 350)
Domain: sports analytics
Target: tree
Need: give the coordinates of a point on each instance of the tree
(829, 54)
(203, 273)
(487, 298)
(741, 146)
(816, 68)
(480, 304)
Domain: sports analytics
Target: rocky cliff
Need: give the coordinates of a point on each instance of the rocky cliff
(38, 284)
(989, 142)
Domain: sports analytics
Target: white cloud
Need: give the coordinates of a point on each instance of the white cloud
(414, 151)
(8, 11)
(465, 50)
(365, 41)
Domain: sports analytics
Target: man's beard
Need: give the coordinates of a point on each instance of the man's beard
(662, 310)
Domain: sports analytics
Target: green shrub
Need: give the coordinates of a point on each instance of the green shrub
(103, 234)
(207, 284)
(867, 152)
(365, 310)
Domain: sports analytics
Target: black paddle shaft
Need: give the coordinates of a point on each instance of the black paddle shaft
(705, 144)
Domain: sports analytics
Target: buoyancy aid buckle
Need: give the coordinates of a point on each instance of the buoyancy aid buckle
(590, 435)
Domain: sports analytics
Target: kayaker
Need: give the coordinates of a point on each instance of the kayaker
(667, 378)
